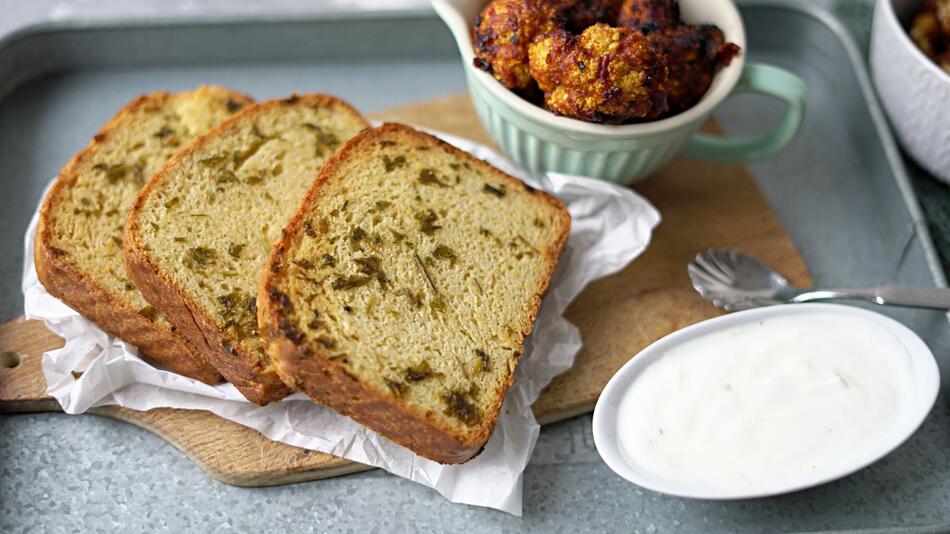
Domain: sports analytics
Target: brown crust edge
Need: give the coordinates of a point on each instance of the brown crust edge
(325, 382)
(259, 385)
(66, 281)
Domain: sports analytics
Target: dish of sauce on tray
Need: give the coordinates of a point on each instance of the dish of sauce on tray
(766, 401)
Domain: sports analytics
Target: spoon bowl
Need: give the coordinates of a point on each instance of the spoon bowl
(735, 281)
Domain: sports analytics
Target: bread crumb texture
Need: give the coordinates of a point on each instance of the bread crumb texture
(88, 219)
(210, 219)
(79, 240)
(417, 270)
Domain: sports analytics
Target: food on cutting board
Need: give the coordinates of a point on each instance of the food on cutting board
(600, 61)
(403, 289)
(200, 232)
(930, 31)
(78, 246)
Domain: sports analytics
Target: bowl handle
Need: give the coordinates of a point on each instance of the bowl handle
(767, 80)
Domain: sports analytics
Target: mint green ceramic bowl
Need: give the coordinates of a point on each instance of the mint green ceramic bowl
(540, 141)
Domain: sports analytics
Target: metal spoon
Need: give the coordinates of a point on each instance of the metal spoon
(734, 281)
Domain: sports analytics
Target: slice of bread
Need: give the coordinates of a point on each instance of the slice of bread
(202, 228)
(402, 291)
(78, 247)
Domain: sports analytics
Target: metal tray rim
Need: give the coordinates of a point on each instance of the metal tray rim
(51, 27)
(36, 28)
(891, 150)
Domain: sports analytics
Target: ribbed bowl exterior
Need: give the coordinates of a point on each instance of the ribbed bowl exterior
(539, 148)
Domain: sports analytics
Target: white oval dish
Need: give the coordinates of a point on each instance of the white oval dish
(925, 380)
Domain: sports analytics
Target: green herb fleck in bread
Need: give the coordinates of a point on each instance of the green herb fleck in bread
(78, 252)
(403, 288)
(199, 234)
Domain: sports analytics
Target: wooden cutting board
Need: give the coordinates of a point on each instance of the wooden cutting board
(703, 205)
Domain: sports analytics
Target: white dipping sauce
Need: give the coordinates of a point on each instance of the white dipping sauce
(766, 402)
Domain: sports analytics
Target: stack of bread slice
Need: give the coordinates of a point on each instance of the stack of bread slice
(200, 232)
(78, 247)
(381, 271)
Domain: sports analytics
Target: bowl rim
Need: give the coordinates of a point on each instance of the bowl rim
(923, 397)
(721, 87)
(890, 15)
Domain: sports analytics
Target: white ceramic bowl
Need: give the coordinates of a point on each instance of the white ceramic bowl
(914, 91)
(924, 372)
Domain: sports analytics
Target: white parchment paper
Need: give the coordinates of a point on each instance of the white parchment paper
(610, 227)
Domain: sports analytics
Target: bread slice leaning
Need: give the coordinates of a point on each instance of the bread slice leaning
(202, 228)
(78, 247)
(402, 291)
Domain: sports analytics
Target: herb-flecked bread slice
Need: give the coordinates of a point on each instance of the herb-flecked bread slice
(202, 228)
(403, 289)
(78, 247)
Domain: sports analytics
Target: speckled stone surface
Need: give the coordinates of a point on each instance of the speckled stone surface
(61, 473)
(68, 474)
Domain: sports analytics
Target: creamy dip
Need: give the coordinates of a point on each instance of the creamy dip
(765, 402)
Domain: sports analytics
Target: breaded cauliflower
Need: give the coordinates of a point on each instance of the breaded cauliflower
(582, 14)
(650, 13)
(605, 74)
(693, 55)
(506, 28)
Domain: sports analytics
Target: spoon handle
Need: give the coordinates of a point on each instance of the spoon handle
(916, 297)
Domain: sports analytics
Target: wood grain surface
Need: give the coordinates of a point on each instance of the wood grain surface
(703, 205)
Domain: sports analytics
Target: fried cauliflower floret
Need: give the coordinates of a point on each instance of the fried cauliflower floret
(693, 55)
(930, 31)
(605, 74)
(924, 31)
(506, 28)
(582, 14)
(504, 31)
(650, 13)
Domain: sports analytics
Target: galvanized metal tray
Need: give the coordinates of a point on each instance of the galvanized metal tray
(840, 189)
